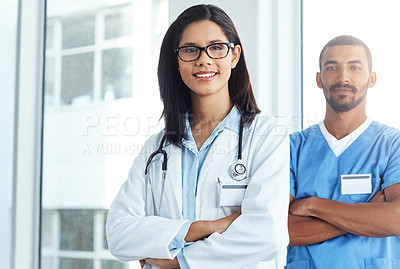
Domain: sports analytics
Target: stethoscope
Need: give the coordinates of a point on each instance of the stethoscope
(164, 172)
(237, 170)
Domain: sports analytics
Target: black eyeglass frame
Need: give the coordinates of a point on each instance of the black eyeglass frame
(230, 46)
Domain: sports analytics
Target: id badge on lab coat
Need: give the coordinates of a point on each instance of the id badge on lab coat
(356, 184)
(231, 194)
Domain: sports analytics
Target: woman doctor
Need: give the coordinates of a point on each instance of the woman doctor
(211, 189)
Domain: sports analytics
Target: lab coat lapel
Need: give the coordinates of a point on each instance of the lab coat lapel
(226, 141)
(173, 181)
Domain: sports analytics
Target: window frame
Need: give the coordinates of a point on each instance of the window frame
(28, 135)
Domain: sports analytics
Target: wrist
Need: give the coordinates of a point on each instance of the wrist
(199, 230)
(209, 227)
(312, 206)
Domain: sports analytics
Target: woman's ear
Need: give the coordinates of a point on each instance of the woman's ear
(236, 51)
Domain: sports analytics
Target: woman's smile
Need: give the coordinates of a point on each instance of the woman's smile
(205, 75)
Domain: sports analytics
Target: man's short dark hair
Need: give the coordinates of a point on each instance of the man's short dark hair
(347, 40)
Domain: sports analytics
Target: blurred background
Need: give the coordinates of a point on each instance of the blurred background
(79, 96)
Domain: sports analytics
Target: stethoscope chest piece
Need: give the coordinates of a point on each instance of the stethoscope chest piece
(238, 171)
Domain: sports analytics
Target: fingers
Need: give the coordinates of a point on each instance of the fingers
(163, 263)
(233, 216)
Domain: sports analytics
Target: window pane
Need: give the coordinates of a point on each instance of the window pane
(78, 32)
(48, 231)
(76, 230)
(117, 25)
(66, 263)
(49, 81)
(105, 264)
(49, 36)
(77, 78)
(117, 73)
(47, 263)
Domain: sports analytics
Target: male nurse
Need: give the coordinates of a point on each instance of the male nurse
(345, 173)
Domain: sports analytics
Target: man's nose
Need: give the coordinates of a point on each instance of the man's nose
(343, 76)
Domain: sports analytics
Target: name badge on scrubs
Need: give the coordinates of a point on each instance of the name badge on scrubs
(231, 194)
(356, 184)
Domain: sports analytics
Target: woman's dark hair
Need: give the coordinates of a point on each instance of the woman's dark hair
(173, 91)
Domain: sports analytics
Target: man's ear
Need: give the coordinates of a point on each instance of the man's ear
(319, 80)
(372, 80)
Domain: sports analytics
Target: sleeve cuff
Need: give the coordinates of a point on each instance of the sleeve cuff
(292, 187)
(182, 261)
(179, 240)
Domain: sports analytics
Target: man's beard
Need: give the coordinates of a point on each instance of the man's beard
(343, 106)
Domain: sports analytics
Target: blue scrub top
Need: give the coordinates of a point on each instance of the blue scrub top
(316, 171)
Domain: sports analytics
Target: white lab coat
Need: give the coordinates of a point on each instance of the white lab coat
(258, 234)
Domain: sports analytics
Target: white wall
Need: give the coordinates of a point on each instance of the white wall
(374, 22)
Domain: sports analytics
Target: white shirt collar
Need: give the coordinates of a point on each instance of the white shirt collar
(338, 146)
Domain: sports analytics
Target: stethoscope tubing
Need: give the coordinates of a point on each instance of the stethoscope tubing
(235, 175)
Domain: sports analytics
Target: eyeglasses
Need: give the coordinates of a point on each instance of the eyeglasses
(214, 51)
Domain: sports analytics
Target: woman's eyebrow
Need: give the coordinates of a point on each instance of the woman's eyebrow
(188, 44)
(216, 41)
(195, 44)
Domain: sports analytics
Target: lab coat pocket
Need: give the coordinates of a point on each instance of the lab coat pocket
(304, 264)
(382, 263)
(231, 194)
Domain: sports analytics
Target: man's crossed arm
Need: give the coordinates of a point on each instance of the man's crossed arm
(314, 220)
